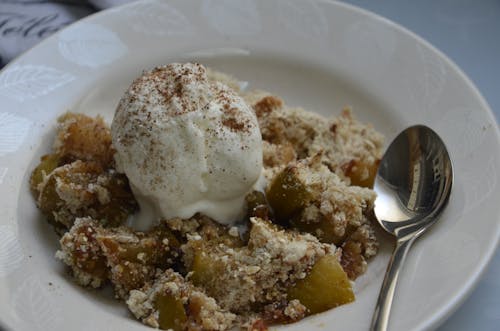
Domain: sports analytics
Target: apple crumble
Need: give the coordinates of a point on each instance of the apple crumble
(297, 245)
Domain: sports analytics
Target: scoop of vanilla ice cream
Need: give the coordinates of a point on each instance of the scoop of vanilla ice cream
(187, 144)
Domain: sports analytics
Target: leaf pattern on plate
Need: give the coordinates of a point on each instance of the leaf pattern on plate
(11, 254)
(3, 172)
(304, 18)
(90, 45)
(35, 305)
(13, 130)
(24, 82)
(234, 18)
(158, 19)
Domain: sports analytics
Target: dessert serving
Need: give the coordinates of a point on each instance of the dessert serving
(211, 208)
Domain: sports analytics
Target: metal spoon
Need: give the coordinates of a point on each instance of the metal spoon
(413, 184)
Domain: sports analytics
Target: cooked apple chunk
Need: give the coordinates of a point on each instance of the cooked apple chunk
(47, 164)
(82, 189)
(81, 137)
(326, 286)
(172, 303)
(314, 199)
(126, 257)
(289, 192)
(361, 173)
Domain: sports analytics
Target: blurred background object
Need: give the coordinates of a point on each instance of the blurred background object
(23, 23)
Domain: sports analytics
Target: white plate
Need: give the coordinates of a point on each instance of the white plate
(318, 54)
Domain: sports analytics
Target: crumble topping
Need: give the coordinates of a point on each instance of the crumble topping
(343, 143)
(83, 188)
(126, 257)
(307, 236)
(257, 272)
(204, 313)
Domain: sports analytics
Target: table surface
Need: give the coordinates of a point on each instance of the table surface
(467, 31)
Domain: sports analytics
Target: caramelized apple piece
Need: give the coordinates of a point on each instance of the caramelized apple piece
(81, 189)
(66, 190)
(287, 194)
(133, 257)
(121, 200)
(171, 312)
(48, 199)
(47, 164)
(325, 287)
(156, 247)
(257, 205)
(324, 230)
(361, 173)
(205, 269)
(81, 137)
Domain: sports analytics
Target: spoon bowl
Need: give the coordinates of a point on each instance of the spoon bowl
(413, 185)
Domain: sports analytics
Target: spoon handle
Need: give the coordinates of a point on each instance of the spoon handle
(380, 318)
